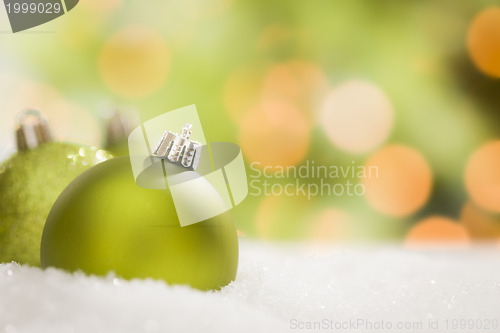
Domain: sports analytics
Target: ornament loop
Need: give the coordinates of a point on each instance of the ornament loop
(119, 122)
(179, 148)
(32, 130)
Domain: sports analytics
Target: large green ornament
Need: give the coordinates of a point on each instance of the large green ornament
(30, 182)
(104, 222)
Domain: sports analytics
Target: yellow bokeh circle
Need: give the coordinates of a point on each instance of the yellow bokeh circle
(134, 62)
(242, 92)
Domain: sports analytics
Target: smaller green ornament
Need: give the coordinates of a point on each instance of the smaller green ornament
(30, 182)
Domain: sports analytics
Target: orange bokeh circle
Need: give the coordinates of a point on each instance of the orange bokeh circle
(398, 182)
(483, 41)
(357, 116)
(331, 224)
(274, 134)
(482, 176)
(296, 82)
(481, 224)
(437, 229)
(299, 82)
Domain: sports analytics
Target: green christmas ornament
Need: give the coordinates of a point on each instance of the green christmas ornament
(103, 221)
(30, 182)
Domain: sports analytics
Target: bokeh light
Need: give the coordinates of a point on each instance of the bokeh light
(100, 6)
(435, 230)
(289, 86)
(80, 33)
(265, 216)
(481, 225)
(298, 82)
(482, 176)
(200, 9)
(357, 116)
(134, 62)
(68, 121)
(241, 92)
(483, 41)
(83, 128)
(275, 134)
(403, 181)
(282, 217)
(331, 224)
(23, 93)
(274, 36)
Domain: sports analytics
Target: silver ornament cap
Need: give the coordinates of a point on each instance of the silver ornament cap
(180, 148)
(32, 130)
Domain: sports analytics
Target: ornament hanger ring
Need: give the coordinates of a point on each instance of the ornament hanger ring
(32, 130)
(28, 116)
(179, 148)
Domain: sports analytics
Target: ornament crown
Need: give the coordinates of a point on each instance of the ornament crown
(179, 149)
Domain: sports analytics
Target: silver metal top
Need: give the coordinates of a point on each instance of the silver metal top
(179, 149)
(32, 130)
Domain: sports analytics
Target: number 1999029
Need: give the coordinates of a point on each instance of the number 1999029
(38, 8)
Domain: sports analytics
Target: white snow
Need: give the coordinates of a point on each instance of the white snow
(279, 288)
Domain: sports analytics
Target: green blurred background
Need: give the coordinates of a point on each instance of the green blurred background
(409, 86)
